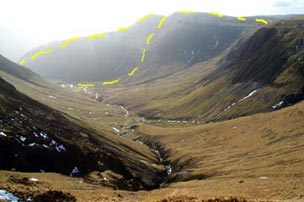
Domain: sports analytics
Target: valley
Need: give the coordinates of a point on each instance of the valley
(215, 113)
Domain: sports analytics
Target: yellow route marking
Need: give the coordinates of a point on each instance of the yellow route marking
(110, 82)
(94, 36)
(145, 17)
(69, 41)
(122, 29)
(241, 18)
(216, 14)
(86, 85)
(187, 12)
(149, 38)
(261, 20)
(22, 62)
(160, 24)
(41, 53)
(133, 71)
(143, 56)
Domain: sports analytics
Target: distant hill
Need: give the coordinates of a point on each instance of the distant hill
(20, 72)
(183, 40)
(96, 59)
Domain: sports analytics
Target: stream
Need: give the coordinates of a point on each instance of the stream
(156, 148)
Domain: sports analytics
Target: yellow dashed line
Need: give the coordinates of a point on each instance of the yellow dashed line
(216, 14)
(187, 12)
(94, 36)
(149, 38)
(261, 20)
(145, 17)
(85, 85)
(143, 56)
(160, 24)
(122, 29)
(110, 82)
(41, 53)
(133, 71)
(22, 62)
(69, 41)
(241, 18)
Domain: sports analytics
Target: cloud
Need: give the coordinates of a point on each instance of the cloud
(282, 3)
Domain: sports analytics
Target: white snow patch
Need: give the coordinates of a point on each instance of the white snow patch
(125, 110)
(7, 196)
(33, 179)
(53, 142)
(216, 42)
(3, 134)
(116, 130)
(32, 144)
(276, 106)
(158, 155)
(60, 148)
(189, 61)
(169, 169)
(244, 98)
(22, 138)
(249, 95)
(227, 108)
(44, 135)
(22, 115)
(143, 161)
(85, 90)
(74, 171)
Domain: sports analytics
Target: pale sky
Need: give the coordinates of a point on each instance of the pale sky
(25, 24)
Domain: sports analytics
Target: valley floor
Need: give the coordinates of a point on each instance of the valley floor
(252, 189)
(259, 158)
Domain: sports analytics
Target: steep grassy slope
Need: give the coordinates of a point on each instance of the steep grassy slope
(251, 76)
(71, 101)
(37, 137)
(256, 157)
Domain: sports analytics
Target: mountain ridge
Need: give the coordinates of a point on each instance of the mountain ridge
(132, 42)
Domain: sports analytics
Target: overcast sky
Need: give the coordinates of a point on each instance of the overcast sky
(25, 24)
